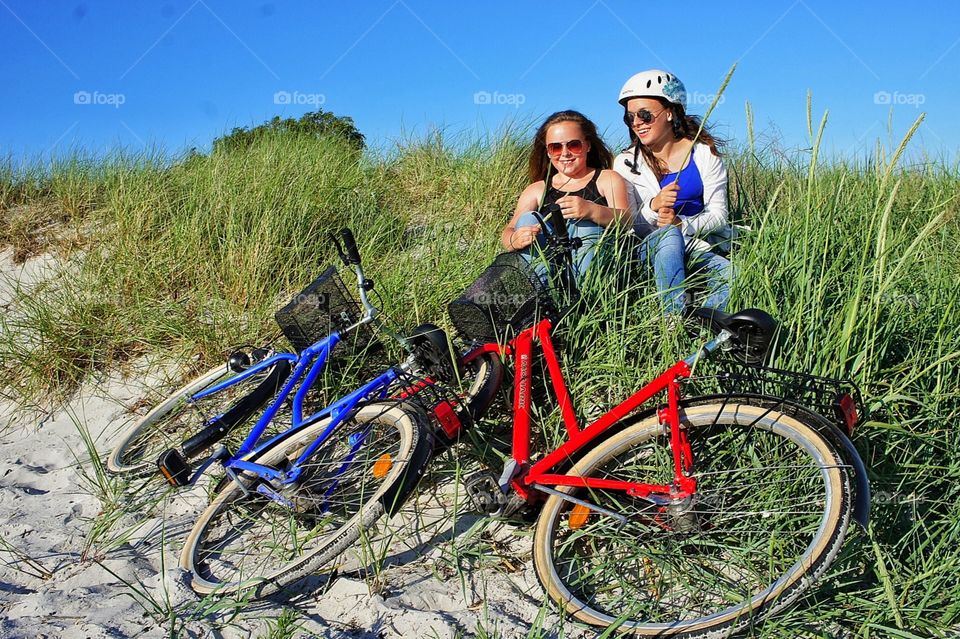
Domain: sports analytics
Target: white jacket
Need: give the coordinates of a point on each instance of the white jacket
(702, 231)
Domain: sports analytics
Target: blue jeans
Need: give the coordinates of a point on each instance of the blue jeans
(588, 232)
(664, 251)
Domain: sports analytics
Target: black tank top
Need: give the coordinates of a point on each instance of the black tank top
(590, 192)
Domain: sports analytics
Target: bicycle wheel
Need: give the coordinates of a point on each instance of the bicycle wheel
(174, 419)
(245, 540)
(772, 507)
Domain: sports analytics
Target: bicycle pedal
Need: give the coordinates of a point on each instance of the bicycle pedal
(484, 492)
(174, 468)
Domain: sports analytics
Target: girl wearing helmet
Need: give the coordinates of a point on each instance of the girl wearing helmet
(680, 198)
(567, 148)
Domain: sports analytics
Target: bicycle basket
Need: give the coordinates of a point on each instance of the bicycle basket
(508, 296)
(321, 308)
(811, 391)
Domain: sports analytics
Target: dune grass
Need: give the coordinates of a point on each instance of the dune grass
(857, 259)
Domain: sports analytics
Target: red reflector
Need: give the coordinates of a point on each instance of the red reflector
(447, 416)
(847, 411)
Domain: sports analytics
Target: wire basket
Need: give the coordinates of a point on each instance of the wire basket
(817, 393)
(322, 307)
(507, 297)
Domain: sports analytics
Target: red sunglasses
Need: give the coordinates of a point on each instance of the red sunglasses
(554, 149)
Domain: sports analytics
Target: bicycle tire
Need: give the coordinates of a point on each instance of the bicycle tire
(246, 542)
(487, 379)
(710, 567)
(172, 420)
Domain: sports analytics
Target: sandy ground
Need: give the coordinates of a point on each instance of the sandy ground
(72, 564)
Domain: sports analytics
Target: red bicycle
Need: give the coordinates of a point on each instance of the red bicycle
(695, 517)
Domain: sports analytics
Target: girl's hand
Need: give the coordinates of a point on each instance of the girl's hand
(667, 216)
(667, 197)
(523, 237)
(575, 207)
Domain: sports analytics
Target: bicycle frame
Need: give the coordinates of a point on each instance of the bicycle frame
(538, 474)
(308, 366)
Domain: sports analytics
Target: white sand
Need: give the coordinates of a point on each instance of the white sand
(128, 578)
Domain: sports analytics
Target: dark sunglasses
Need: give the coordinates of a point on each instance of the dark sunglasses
(554, 149)
(645, 115)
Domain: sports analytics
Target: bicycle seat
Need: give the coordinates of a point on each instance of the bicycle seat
(753, 331)
(432, 349)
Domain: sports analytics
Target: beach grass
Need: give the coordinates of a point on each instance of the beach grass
(855, 257)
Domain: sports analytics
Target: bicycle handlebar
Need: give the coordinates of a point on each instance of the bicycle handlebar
(350, 256)
(353, 254)
(561, 246)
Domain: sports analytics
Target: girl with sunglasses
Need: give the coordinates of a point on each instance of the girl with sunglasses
(680, 197)
(569, 165)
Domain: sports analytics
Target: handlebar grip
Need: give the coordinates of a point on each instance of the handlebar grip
(350, 245)
(557, 222)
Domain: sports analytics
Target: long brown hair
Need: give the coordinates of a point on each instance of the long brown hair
(684, 126)
(599, 156)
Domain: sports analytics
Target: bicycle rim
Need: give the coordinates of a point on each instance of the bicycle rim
(251, 542)
(771, 510)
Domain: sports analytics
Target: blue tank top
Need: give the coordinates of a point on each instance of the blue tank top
(690, 195)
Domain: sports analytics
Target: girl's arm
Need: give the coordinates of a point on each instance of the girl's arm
(619, 209)
(513, 239)
(642, 188)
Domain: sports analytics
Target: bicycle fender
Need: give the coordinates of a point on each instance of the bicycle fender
(850, 454)
(396, 495)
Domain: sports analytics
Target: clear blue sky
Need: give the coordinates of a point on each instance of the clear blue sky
(175, 74)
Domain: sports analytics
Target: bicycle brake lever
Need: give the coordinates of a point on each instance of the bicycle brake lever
(541, 222)
(339, 247)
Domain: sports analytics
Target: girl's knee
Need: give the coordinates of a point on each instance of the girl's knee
(527, 219)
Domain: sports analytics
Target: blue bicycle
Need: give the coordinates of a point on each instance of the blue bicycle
(298, 498)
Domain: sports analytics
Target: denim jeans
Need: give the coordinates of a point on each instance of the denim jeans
(588, 232)
(664, 251)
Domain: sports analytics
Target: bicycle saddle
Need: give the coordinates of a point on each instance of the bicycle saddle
(432, 349)
(753, 331)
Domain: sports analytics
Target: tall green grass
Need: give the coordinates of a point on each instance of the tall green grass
(857, 259)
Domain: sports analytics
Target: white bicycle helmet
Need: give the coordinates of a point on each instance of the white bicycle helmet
(654, 83)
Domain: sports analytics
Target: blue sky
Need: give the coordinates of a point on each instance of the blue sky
(176, 74)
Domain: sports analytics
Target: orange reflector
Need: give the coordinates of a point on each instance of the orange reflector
(382, 466)
(578, 516)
